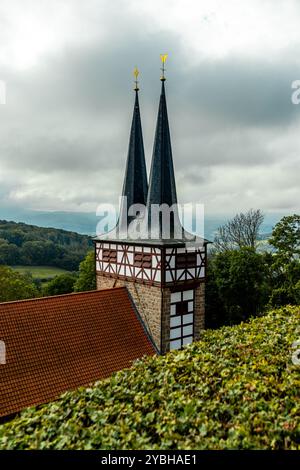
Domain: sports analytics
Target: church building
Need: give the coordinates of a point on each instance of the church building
(164, 271)
(150, 291)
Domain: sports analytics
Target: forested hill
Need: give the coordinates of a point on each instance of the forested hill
(22, 244)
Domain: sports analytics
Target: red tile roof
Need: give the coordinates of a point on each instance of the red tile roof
(59, 343)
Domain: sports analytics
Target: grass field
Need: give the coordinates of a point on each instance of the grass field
(40, 272)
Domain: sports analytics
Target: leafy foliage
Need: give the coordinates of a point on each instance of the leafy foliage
(285, 263)
(237, 286)
(235, 389)
(286, 238)
(33, 246)
(14, 285)
(62, 284)
(242, 282)
(87, 275)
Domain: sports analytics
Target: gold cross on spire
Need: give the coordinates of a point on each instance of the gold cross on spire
(136, 74)
(163, 58)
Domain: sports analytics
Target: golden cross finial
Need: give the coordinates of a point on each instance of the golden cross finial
(136, 74)
(163, 58)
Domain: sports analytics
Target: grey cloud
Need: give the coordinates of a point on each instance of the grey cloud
(71, 113)
(244, 92)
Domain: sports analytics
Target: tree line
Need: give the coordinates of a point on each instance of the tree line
(22, 244)
(242, 281)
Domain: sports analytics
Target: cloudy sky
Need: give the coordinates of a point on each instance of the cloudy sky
(68, 71)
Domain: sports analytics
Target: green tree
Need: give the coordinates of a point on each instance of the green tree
(286, 261)
(237, 286)
(286, 238)
(16, 236)
(87, 277)
(33, 253)
(9, 253)
(15, 286)
(61, 284)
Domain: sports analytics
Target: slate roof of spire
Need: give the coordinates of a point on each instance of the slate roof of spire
(162, 187)
(135, 186)
(59, 343)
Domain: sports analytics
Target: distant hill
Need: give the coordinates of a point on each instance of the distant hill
(29, 245)
(86, 222)
(237, 388)
(79, 222)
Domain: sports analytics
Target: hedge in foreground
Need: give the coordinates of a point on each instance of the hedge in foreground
(235, 389)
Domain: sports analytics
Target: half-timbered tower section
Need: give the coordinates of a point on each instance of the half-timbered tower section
(166, 284)
(165, 276)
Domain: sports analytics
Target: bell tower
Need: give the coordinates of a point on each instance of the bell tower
(164, 267)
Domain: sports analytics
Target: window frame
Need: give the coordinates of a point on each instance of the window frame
(181, 313)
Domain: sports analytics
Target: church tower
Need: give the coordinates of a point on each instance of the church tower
(163, 269)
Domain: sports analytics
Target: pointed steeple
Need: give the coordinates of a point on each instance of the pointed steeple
(135, 185)
(162, 187)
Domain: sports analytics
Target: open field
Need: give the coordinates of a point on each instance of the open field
(40, 272)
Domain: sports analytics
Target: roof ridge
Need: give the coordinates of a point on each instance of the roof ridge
(61, 295)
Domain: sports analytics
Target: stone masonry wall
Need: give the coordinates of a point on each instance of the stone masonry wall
(147, 300)
(199, 319)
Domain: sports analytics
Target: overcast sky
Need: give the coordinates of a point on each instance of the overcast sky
(68, 70)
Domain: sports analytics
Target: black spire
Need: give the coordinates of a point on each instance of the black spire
(135, 185)
(162, 187)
